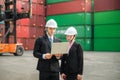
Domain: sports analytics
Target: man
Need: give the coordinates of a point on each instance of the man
(48, 64)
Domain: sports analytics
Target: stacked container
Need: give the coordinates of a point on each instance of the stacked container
(28, 29)
(2, 22)
(107, 25)
(76, 13)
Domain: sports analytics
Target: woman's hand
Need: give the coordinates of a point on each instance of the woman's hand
(58, 55)
(79, 77)
(63, 76)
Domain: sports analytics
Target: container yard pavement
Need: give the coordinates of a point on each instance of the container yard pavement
(97, 66)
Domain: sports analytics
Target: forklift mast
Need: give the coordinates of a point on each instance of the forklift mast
(10, 17)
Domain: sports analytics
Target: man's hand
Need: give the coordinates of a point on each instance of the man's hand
(79, 77)
(48, 56)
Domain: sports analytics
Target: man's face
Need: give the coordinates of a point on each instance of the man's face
(51, 31)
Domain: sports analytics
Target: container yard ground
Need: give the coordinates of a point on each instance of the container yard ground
(97, 66)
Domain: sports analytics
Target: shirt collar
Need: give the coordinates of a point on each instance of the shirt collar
(70, 43)
(49, 36)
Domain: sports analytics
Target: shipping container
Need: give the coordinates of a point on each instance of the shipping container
(25, 22)
(88, 44)
(69, 7)
(107, 31)
(38, 9)
(104, 5)
(83, 31)
(29, 44)
(33, 21)
(56, 1)
(36, 20)
(39, 31)
(72, 19)
(81, 42)
(107, 17)
(40, 22)
(22, 40)
(34, 1)
(32, 32)
(23, 32)
(34, 8)
(41, 1)
(107, 44)
(21, 6)
(85, 43)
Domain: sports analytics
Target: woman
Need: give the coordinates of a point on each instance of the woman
(72, 63)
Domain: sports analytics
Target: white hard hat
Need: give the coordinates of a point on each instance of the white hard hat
(51, 23)
(71, 31)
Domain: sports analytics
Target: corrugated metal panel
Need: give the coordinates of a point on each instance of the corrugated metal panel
(72, 19)
(56, 1)
(32, 32)
(33, 20)
(39, 31)
(107, 44)
(36, 20)
(38, 9)
(25, 22)
(29, 44)
(41, 1)
(40, 21)
(69, 7)
(23, 32)
(105, 31)
(85, 43)
(81, 42)
(88, 45)
(108, 17)
(103, 5)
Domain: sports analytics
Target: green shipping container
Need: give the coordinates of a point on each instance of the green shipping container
(83, 31)
(85, 43)
(55, 1)
(72, 19)
(111, 30)
(88, 45)
(81, 42)
(109, 44)
(108, 17)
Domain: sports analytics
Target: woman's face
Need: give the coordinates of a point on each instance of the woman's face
(70, 37)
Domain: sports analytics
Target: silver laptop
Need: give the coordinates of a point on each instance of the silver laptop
(60, 47)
